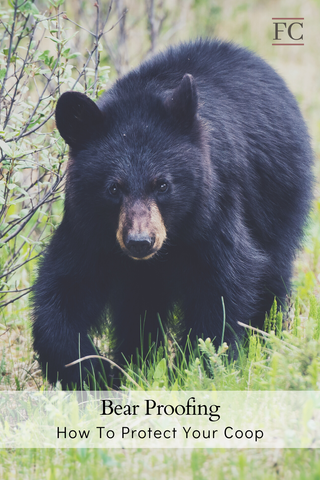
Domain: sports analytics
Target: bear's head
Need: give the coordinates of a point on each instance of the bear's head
(138, 164)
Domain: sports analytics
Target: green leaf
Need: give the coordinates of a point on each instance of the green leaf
(5, 148)
(56, 3)
(73, 55)
(44, 55)
(29, 7)
(54, 39)
(160, 370)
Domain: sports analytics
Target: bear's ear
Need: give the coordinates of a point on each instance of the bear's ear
(77, 118)
(182, 103)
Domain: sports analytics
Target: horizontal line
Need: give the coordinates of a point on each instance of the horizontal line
(287, 18)
(299, 44)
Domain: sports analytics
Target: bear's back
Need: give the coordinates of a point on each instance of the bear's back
(258, 141)
(221, 71)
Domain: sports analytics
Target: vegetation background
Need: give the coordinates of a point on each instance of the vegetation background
(50, 46)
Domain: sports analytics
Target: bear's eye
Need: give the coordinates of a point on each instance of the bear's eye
(162, 186)
(114, 189)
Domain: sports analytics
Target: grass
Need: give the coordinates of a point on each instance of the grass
(289, 361)
(84, 464)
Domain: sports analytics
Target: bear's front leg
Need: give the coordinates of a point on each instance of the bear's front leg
(68, 300)
(139, 317)
(64, 312)
(211, 312)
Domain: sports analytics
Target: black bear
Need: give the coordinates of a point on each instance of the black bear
(188, 184)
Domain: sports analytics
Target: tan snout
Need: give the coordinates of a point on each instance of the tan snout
(141, 230)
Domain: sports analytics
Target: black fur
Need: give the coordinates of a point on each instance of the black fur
(221, 127)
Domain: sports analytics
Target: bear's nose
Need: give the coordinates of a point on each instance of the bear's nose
(139, 244)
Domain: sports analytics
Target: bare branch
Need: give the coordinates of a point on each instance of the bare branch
(19, 79)
(3, 292)
(5, 304)
(97, 49)
(31, 213)
(79, 26)
(15, 139)
(20, 265)
(9, 53)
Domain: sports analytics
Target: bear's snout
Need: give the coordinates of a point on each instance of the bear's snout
(141, 231)
(139, 245)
